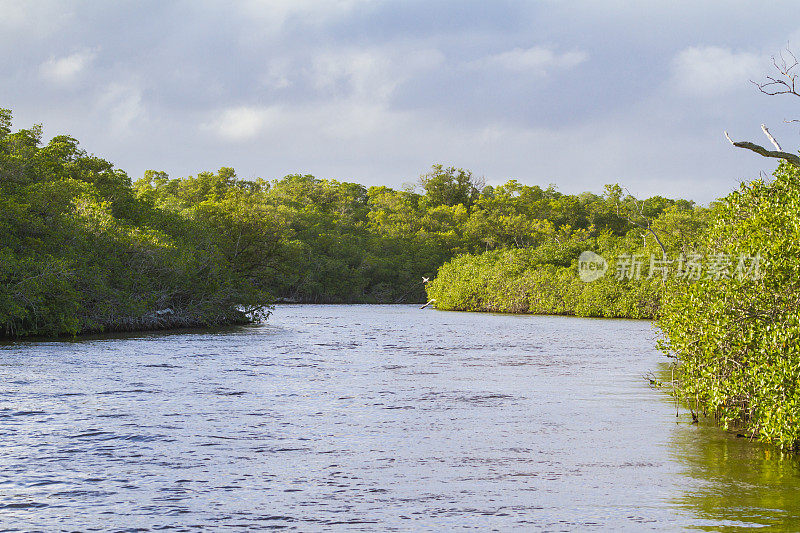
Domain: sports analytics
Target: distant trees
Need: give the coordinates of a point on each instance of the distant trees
(84, 249)
(451, 186)
(535, 271)
(309, 239)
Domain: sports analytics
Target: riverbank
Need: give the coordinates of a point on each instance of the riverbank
(514, 281)
(162, 320)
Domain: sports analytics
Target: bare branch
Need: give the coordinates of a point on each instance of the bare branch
(787, 82)
(791, 158)
(648, 223)
(775, 86)
(771, 138)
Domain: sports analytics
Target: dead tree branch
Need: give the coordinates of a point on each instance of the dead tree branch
(779, 154)
(771, 138)
(647, 225)
(786, 83)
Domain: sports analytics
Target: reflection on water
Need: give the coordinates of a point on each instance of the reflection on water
(732, 483)
(365, 418)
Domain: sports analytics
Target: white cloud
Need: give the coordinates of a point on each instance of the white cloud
(538, 59)
(241, 123)
(369, 74)
(712, 70)
(272, 15)
(328, 122)
(68, 69)
(14, 14)
(122, 104)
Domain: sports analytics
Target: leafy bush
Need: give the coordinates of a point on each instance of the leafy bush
(738, 338)
(535, 280)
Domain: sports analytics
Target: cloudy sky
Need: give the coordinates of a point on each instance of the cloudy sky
(574, 93)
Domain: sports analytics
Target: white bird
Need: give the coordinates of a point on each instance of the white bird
(425, 280)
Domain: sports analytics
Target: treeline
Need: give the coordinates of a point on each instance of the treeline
(81, 252)
(640, 241)
(85, 249)
(325, 241)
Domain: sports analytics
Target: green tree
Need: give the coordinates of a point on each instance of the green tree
(737, 335)
(451, 186)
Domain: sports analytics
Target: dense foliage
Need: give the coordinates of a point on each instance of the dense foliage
(315, 240)
(84, 249)
(325, 241)
(738, 337)
(80, 252)
(539, 273)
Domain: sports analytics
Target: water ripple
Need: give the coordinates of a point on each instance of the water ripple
(343, 417)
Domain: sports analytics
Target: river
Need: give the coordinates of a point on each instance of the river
(371, 418)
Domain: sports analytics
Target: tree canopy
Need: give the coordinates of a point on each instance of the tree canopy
(87, 249)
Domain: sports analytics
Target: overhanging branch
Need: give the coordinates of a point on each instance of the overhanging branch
(793, 159)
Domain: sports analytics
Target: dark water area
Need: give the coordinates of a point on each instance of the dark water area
(371, 418)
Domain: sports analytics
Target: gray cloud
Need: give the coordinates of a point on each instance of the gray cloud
(578, 94)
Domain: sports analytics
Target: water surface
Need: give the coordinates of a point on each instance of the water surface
(370, 418)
